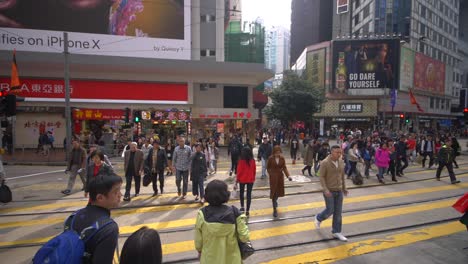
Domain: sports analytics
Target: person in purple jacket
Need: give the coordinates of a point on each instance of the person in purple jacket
(382, 160)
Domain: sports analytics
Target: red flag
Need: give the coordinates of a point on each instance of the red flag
(15, 82)
(413, 101)
(412, 98)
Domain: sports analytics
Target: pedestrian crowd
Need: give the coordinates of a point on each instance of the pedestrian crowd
(221, 231)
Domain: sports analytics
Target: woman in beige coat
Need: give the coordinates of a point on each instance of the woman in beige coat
(276, 167)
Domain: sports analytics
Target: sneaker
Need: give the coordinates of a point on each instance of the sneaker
(66, 192)
(275, 213)
(178, 194)
(202, 200)
(155, 194)
(183, 197)
(317, 222)
(438, 178)
(197, 199)
(136, 194)
(126, 198)
(247, 213)
(230, 173)
(340, 237)
(242, 209)
(455, 182)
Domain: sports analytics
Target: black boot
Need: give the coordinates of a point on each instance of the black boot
(275, 205)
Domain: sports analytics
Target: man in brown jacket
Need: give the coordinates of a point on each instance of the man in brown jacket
(133, 165)
(333, 184)
(76, 165)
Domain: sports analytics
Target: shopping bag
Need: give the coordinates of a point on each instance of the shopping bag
(462, 204)
(5, 193)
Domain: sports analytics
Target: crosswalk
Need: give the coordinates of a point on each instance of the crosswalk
(374, 219)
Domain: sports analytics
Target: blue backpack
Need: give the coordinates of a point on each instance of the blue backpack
(69, 246)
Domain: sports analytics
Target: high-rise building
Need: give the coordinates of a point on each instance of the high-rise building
(463, 53)
(311, 23)
(277, 47)
(427, 26)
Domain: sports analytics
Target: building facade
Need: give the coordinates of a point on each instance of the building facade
(311, 23)
(180, 83)
(277, 48)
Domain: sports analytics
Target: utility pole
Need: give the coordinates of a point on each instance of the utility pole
(67, 96)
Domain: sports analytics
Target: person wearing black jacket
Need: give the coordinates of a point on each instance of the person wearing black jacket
(234, 151)
(96, 168)
(428, 149)
(446, 155)
(155, 163)
(401, 149)
(198, 173)
(104, 193)
(264, 152)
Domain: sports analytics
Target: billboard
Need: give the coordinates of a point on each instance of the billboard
(429, 74)
(365, 64)
(342, 6)
(316, 67)
(150, 29)
(406, 69)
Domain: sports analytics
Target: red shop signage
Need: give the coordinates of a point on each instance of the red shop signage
(98, 114)
(53, 90)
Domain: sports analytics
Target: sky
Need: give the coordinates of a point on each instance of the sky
(273, 12)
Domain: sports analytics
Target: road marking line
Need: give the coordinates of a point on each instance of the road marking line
(259, 212)
(32, 175)
(184, 246)
(330, 255)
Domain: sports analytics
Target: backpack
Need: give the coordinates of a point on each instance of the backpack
(5, 193)
(69, 246)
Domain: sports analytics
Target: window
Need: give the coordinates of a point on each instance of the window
(423, 29)
(357, 4)
(235, 97)
(366, 11)
(207, 18)
(432, 103)
(212, 53)
(421, 46)
(356, 20)
(423, 11)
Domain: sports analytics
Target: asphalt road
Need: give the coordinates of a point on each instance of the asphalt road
(408, 222)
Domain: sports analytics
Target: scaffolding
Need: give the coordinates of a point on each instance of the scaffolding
(245, 43)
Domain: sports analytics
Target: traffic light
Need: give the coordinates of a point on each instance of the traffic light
(10, 109)
(407, 120)
(402, 116)
(465, 110)
(127, 115)
(137, 116)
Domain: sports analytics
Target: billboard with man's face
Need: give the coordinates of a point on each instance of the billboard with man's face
(133, 28)
(365, 64)
(429, 74)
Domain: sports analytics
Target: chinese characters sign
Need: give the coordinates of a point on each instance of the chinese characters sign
(316, 67)
(85, 90)
(406, 69)
(351, 108)
(98, 114)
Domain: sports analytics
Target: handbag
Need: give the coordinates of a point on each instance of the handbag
(246, 248)
(5, 193)
(147, 177)
(462, 204)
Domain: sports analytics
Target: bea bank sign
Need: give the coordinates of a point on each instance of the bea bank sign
(150, 29)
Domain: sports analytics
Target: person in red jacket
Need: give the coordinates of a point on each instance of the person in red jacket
(246, 170)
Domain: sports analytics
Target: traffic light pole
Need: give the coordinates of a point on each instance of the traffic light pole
(67, 96)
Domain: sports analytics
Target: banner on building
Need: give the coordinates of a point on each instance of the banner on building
(406, 69)
(151, 29)
(316, 67)
(365, 64)
(429, 74)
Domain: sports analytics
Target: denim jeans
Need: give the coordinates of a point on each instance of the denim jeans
(334, 206)
(263, 167)
(182, 176)
(381, 173)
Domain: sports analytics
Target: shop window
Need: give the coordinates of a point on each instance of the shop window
(431, 105)
(236, 97)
